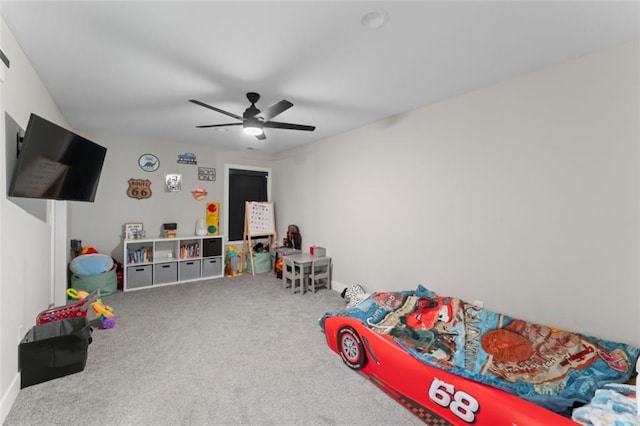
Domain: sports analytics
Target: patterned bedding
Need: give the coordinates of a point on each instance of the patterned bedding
(548, 366)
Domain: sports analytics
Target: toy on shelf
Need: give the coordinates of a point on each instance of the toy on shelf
(102, 311)
(169, 230)
(88, 250)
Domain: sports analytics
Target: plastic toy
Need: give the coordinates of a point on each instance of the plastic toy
(232, 252)
(68, 311)
(102, 311)
(88, 250)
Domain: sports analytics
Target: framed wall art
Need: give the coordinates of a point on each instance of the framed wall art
(173, 183)
(206, 173)
(133, 231)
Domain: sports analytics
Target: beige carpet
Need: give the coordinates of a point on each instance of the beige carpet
(231, 351)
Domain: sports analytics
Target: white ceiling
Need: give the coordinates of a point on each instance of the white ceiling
(131, 67)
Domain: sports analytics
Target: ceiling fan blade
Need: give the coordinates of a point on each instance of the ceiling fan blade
(278, 125)
(261, 136)
(275, 109)
(221, 111)
(219, 125)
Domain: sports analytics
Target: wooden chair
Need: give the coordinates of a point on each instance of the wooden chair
(320, 275)
(292, 276)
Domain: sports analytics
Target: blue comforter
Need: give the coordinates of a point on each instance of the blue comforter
(551, 367)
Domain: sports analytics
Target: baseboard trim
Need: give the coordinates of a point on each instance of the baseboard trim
(9, 398)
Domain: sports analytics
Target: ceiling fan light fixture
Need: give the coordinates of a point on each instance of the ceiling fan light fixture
(253, 131)
(252, 126)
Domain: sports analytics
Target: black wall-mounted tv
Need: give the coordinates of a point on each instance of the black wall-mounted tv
(55, 163)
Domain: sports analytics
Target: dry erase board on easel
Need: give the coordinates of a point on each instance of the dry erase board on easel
(260, 218)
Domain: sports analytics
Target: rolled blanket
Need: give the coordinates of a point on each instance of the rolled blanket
(615, 405)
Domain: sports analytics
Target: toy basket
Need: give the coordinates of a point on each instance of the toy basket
(79, 309)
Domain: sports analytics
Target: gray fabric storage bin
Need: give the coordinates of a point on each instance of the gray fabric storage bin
(139, 276)
(212, 267)
(165, 273)
(189, 269)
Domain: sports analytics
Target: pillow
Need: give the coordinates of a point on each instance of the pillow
(91, 264)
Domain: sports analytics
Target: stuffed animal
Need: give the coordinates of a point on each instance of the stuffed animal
(88, 250)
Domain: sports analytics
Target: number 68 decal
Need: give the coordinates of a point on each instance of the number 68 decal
(460, 403)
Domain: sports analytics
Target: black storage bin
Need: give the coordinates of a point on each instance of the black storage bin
(211, 247)
(53, 350)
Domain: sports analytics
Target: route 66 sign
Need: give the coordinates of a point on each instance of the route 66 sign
(139, 188)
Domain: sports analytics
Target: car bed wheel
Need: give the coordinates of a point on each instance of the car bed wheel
(350, 348)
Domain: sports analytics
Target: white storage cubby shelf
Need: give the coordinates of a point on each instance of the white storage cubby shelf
(162, 261)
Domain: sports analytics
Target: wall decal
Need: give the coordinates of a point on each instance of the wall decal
(187, 158)
(206, 173)
(148, 162)
(173, 183)
(139, 188)
(199, 193)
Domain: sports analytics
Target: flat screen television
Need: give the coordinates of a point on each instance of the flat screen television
(57, 164)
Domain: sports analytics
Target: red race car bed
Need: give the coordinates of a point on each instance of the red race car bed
(453, 363)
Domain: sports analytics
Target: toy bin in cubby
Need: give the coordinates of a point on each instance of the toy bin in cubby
(189, 269)
(211, 267)
(164, 273)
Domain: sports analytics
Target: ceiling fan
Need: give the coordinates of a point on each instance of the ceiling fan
(253, 121)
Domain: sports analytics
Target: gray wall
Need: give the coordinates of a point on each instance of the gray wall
(523, 195)
(100, 224)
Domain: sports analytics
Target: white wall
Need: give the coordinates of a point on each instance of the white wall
(100, 224)
(523, 195)
(28, 269)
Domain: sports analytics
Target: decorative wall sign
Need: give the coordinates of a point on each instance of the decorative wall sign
(199, 193)
(148, 162)
(187, 158)
(133, 231)
(139, 188)
(206, 173)
(173, 183)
